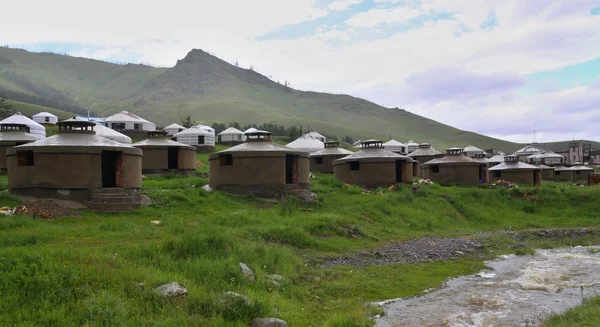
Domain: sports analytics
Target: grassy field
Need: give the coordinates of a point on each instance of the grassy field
(587, 315)
(29, 110)
(83, 272)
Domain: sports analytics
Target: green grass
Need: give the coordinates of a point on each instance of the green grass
(84, 271)
(29, 110)
(586, 315)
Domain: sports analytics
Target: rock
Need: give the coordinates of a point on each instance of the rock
(171, 290)
(146, 201)
(268, 322)
(140, 284)
(276, 278)
(230, 296)
(247, 272)
(207, 188)
(155, 222)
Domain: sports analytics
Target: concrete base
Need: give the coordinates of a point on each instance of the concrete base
(168, 171)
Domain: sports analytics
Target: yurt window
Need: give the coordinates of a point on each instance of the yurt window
(497, 174)
(200, 139)
(118, 125)
(174, 139)
(47, 119)
(25, 158)
(354, 165)
(226, 160)
(434, 168)
(577, 172)
(557, 173)
(319, 160)
(136, 127)
(239, 137)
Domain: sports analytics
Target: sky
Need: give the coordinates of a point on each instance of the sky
(504, 68)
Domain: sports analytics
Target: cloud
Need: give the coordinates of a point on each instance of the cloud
(341, 5)
(375, 17)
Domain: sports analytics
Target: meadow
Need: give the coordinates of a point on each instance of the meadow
(87, 271)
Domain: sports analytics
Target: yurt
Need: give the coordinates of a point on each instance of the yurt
(45, 118)
(547, 172)
(394, 146)
(35, 129)
(12, 135)
(104, 131)
(526, 152)
(563, 174)
(162, 155)
(551, 159)
(514, 171)
(456, 168)
(104, 175)
(127, 121)
(322, 160)
(496, 160)
(373, 166)
(471, 151)
(306, 144)
(207, 129)
(231, 135)
(317, 136)
(202, 140)
(581, 172)
(425, 153)
(261, 168)
(411, 146)
(173, 129)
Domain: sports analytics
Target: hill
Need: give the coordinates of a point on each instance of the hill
(29, 110)
(211, 90)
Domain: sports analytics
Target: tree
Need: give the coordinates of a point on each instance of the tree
(5, 106)
(187, 122)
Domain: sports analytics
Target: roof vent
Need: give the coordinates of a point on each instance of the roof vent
(14, 128)
(454, 152)
(258, 136)
(424, 146)
(480, 155)
(369, 144)
(156, 134)
(76, 126)
(332, 144)
(511, 159)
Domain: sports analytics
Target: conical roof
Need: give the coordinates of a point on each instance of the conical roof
(314, 134)
(231, 130)
(174, 126)
(394, 145)
(550, 154)
(127, 116)
(260, 145)
(579, 166)
(544, 167)
(453, 155)
(561, 168)
(471, 148)
(330, 151)
(35, 129)
(194, 130)
(251, 130)
(412, 143)
(515, 165)
(375, 154)
(104, 131)
(306, 144)
(528, 149)
(496, 158)
(44, 114)
(160, 142)
(424, 151)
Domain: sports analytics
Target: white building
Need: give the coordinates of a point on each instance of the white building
(395, 146)
(173, 129)
(126, 120)
(207, 128)
(197, 137)
(45, 118)
(471, 151)
(306, 144)
(317, 136)
(231, 135)
(411, 146)
(106, 132)
(35, 129)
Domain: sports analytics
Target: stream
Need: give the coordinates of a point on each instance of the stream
(514, 291)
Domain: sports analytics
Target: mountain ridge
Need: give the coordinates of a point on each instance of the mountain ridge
(211, 90)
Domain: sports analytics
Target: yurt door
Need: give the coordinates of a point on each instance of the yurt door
(291, 169)
(398, 171)
(109, 168)
(173, 157)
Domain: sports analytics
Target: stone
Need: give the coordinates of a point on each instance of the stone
(247, 272)
(230, 296)
(276, 278)
(207, 188)
(146, 201)
(268, 322)
(171, 290)
(155, 222)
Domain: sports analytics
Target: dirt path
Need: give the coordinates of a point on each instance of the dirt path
(444, 248)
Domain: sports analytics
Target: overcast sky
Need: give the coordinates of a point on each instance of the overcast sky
(503, 68)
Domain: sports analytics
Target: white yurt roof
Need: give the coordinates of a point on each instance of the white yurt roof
(174, 126)
(306, 143)
(528, 149)
(496, 158)
(314, 134)
(412, 143)
(251, 130)
(472, 148)
(44, 114)
(194, 130)
(106, 132)
(393, 143)
(126, 116)
(35, 129)
(206, 128)
(551, 154)
(231, 130)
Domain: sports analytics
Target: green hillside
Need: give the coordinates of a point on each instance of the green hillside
(211, 90)
(29, 110)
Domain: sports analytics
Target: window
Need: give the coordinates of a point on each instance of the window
(137, 127)
(226, 160)
(174, 139)
(25, 158)
(319, 160)
(118, 125)
(557, 173)
(577, 172)
(200, 139)
(497, 174)
(47, 119)
(354, 165)
(180, 129)
(434, 168)
(239, 137)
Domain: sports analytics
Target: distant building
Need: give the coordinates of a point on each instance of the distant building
(317, 136)
(127, 121)
(97, 120)
(411, 146)
(45, 118)
(35, 129)
(106, 132)
(495, 160)
(395, 146)
(424, 154)
(231, 135)
(471, 151)
(322, 160)
(12, 135)
(547, 172)
(526, 152)
(373, 166)
(456, 168)
(162, 155)
(201, 139)
(173, 129)
(562, 173)
(306, 144)
(514, 171)
(581, 172)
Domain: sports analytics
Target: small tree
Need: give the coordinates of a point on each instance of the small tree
(187, 122)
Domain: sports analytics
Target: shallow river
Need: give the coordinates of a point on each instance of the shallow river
(515, 291)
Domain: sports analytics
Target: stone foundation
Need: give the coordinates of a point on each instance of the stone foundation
(274, 191)
(106, 200)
